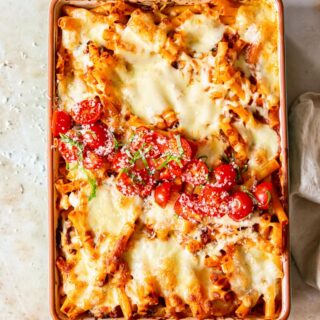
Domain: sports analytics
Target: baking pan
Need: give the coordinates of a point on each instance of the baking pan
(54, 14)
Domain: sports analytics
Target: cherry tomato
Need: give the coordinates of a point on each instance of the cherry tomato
(171, 171)
(69, 151)
(226, 176)
(61, 122)
(241, 206)
(187, 207)
(120, 160)
(214, 201)
(136, 182)
(125, 185)
(97, 137)
(92, 160)
(196, 173)
(152, 143)
(263, 195)
(180, 147)
(162, 194)
(87, 111)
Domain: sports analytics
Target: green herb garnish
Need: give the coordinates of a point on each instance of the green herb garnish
(203, 157)
(170, 157)
(269, 196)
(93, 184)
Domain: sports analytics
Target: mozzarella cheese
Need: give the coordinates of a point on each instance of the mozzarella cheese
(166, 265)
(109, 211)
(152, 86)
(260, 139)
(202, 32)
(254, 269)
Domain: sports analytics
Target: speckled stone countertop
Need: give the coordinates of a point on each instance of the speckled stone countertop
(23, 184)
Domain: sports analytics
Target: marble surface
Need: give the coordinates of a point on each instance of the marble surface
(23, 191)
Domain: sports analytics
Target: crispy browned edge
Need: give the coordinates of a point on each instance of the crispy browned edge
(53, 281)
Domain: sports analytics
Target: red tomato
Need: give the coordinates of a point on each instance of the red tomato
(179, 146)
(162, 194)
(87, 111)
(61, 122)
(92, 160)
(125, 185)
(241, 206)
(263, 195)
(214, 201)
(196, 173)
(136, 182)
(120, 160)
(97, 137)
(68, 151)
(226, 176)
(187, 207)
(171, 171)
(151, 142)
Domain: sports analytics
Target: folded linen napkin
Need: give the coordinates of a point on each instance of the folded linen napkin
(304, 146)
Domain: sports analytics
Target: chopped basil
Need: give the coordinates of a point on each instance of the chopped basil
(170, 157)
(203, 157)
(244, 168)
(244, 189)
(269, 196)
(93, 184)
(225, 158)
(116, 143)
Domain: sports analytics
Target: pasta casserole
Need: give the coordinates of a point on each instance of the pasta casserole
(169, 180)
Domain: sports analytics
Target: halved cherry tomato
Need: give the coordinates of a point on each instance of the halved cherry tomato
(97, 137)
(136, 182)
(187, 207)
(214, 201)
(120, 160)
(87, 111)
(263, 195)
(152, 143)
(241, 206)
(226, 176)
(125, 185)
(92, 160)
(171, 171)
(180, 147)
(162, 194)
(68, 151)
(196, 173)
(61, 122)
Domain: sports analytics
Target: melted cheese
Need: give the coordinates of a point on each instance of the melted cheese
(169, 267)
(73, 91)
(109, 211)
(153, 86)
(262, 139)
(254, 269)
(202, 33)
(157, 217)
(213, 148)
(258, 24)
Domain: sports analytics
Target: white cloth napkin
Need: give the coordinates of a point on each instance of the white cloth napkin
(304, 146)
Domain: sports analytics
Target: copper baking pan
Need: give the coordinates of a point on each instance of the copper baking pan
(54, 14)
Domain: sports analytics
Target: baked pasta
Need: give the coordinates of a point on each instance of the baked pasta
(169, 183)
